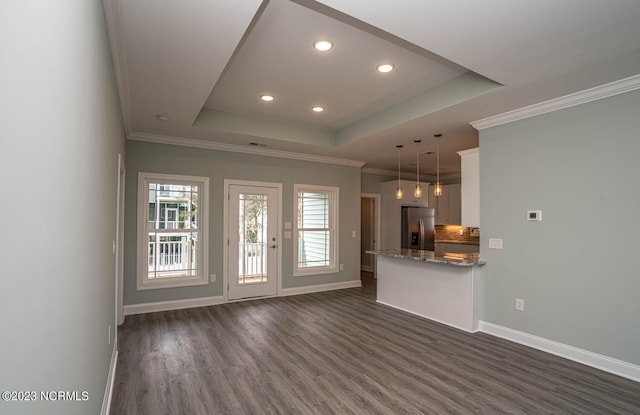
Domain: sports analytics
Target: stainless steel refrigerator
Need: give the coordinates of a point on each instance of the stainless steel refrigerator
(418, 225)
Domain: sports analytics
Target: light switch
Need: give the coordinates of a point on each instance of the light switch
(353, 234)
(287, 235)
(288, 225)
(495, 243)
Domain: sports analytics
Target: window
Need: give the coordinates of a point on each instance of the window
(172, 230)
(316, 233)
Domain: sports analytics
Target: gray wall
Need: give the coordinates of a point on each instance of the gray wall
(371, 182)
(60, 135)
(577, 270)
(219, 165)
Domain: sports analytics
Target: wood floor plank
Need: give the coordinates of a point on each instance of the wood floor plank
(340, 352)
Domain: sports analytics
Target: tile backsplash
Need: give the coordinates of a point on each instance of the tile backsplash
(455, 233)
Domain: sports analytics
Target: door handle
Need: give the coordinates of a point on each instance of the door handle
(273, 246)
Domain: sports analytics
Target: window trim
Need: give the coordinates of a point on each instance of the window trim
(334, 199)
(202, 265)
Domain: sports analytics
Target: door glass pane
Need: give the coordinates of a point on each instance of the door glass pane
(253, 240)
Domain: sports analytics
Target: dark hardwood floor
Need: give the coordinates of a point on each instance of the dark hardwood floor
(341, 353)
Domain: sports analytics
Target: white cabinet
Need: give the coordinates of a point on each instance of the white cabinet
(455, 205)
(391, 209)
(447, 205)
(470, 187)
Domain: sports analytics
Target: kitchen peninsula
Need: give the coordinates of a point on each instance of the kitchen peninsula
(444, 287)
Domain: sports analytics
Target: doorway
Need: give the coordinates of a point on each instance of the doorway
(370, 230)
(253, 249)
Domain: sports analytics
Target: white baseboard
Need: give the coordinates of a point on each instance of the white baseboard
(207, 301)
(321, 287)
(598, 361)
(172, 305)
(108, 390)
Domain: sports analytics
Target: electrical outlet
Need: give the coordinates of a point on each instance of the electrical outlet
(212, 278)
(495, 243)
(534, 215)
(519, 304)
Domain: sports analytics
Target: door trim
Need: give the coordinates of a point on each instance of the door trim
(225, 233)
(119, 243)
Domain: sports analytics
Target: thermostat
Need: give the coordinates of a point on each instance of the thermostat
(534, 215)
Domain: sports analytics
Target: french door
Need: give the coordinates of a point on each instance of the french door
(253, 245)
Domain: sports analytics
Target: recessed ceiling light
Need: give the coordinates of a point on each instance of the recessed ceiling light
(317, 108)
(385, 67)
(323, 45)
(162, 118)
(267, 98)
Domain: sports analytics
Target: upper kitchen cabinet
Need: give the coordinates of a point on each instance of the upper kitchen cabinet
(448, 205)
(470, 187)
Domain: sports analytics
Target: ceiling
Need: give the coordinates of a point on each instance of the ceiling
(203, 65)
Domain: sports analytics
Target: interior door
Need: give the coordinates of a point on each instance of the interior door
(253, 241)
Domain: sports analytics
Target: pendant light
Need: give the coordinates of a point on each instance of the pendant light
(399, 192)
(418, 190)
(438, 188)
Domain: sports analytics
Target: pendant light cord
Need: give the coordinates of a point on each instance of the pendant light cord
(399, 189)
(437, 163)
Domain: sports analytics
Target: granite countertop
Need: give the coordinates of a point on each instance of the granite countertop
(463, 260)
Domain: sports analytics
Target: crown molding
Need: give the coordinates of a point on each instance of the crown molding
(113, 17)
(469, 151)
(211, 145)
(582, 97)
